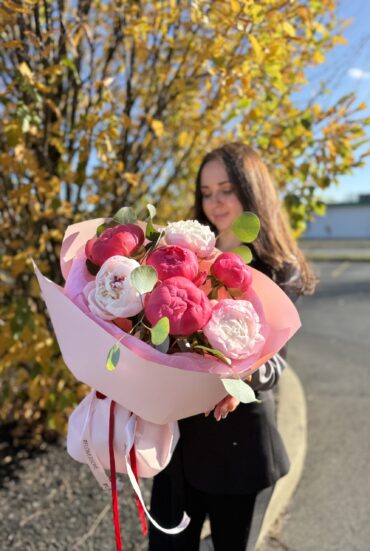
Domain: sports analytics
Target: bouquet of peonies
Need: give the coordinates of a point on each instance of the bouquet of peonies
(161, 323)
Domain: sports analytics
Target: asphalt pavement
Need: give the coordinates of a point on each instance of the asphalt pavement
(330, 510)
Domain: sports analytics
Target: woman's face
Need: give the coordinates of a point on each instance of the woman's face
(219, 200)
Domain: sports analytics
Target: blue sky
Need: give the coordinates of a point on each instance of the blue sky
(348, 69)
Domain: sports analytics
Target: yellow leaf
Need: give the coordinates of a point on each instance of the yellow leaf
(54, 108)
(183, 139)
(25, 71)
(256, 47)
(132, 178)
(288, 29)
(340, 40)
(318, 57)
(332, 148)
(316, 109)
(12, 44)
(93, 199)
(126, 121)
(319, 27)
(362, 106)
(78, 36)
(278, 142)
(43, 88)
(304, 13)
(16, 7)
(235, 6)
(158, 128)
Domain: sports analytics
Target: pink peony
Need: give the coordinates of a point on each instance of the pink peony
(120, 240)
(174, 261)
(186, 306)
(235, 329)
(231, 270)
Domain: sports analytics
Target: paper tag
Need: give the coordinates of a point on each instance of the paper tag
(91, 457)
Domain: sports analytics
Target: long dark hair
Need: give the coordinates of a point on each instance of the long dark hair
(275, 246)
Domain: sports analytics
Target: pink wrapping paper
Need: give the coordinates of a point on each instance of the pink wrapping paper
(157, 387)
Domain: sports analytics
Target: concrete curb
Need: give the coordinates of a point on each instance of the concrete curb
(337, 256)
(292, 424)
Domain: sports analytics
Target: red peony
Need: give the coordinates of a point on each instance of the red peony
(186, 306)
(122, 240)
(230, 269)
(172, 261)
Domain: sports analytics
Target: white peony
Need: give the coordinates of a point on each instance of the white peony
(192, 235)
(112, 295)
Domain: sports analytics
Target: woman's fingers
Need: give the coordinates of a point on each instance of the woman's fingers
(228, 404)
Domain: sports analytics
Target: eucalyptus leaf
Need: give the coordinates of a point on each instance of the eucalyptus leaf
(160, 331)
(100, 229)
(151, 233)
(214, 352)
(125, 215)
(103, 227)
(152, 210)
(246, 227)
(244, 252)
(144, 278)
(113, 358)
(164, 346)
(240, 390)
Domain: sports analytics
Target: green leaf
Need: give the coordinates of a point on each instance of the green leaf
(240, 390)
(151, 233)
(92, 268)
(100, 229)
(244, 252)
(125, 215)
(70, 64)
(246, 227)
(306, 122)
(164, 346)
(319, 208)
(160, 331)
(103, 227)
(152, 210)
(144, 278)
(113, 358)
(214, 352)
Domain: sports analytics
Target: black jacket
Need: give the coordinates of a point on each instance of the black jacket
(243, 453)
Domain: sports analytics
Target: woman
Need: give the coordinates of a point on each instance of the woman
(226, 464)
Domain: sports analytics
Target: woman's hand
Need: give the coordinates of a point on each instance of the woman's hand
(227, 404)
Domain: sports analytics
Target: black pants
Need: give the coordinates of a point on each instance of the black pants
(234, 519)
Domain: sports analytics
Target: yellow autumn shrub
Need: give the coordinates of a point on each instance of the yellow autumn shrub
(105, 104)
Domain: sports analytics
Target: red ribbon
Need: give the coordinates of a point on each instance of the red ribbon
(112, 461)
(139, 506)
(113, 478)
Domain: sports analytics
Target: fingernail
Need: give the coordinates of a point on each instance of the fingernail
(225, 415)
(218, 417)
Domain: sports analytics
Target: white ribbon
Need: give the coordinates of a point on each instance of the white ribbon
(130, 434)
(101, 476)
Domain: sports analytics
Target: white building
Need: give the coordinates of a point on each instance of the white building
(342, 221)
